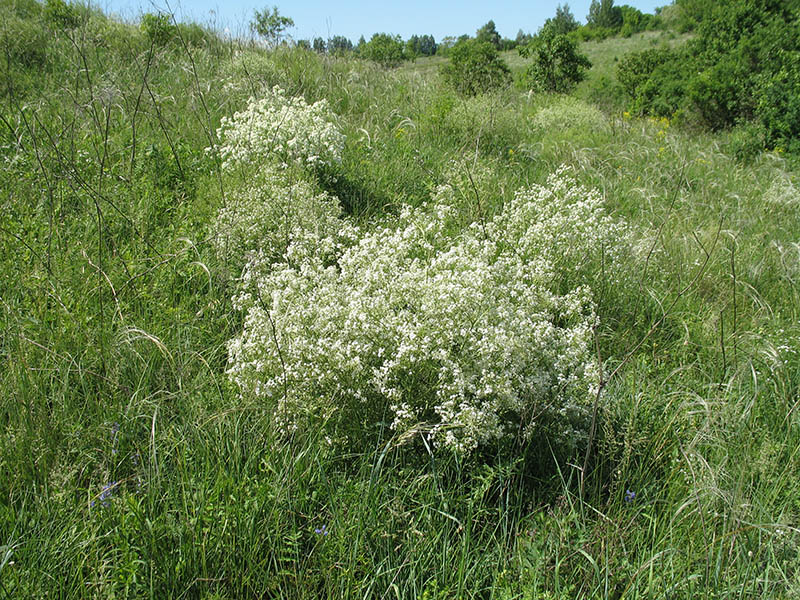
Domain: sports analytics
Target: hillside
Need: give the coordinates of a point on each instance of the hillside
(276, 324)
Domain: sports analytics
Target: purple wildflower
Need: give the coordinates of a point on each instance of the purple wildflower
(105, 494)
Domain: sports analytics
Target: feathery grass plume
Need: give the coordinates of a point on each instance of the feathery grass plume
(570, 114)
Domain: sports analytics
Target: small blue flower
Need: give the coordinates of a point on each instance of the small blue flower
(321, 530)
(630, 496)
(105, 494)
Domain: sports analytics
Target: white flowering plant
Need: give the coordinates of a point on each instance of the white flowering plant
(281, 130)
(274, 212)
(466, 337)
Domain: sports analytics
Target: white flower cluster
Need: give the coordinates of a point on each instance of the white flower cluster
(282, 130)
(464, 334)
(272, 213)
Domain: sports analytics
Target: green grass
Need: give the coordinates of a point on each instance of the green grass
(115, 312)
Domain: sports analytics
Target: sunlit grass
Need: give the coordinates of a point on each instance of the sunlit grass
(131, 467)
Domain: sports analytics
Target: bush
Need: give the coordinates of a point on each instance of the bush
(475, 67)
(384, 49)
(271, 214)
(159, 28)
(778, 104)
(744, 65)
(655, 80)
(281, 130)
(557, 64)
(745, 142)
(61, 15)
(463, 337)
(717, 93)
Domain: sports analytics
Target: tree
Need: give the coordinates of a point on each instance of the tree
(603, 13)
(319, 45)
(475, 67)
(339, 45)
(557, 65)
(61, 15)
(564, 21)
(523, 38)
(446, 45)
(488, 33)
(427, 45)
(424, 45)
(384, 49)
(412, 48)
(270, 25)
(159, 28)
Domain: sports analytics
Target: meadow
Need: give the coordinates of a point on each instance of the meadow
(139, 459)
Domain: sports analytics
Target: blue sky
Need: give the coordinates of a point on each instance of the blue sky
(353, 18)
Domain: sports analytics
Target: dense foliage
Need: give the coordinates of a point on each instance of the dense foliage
(475, 67)
(461, 338)
(557, 65)
(742, 66)
(384, 49)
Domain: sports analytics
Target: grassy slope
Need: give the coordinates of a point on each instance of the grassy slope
(115, 313)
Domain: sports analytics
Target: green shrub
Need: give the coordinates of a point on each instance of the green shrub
(654, 80)
(557, 65)
(746, 142)
(384, 49)
(742, 66)
(475, 67)
(718, 93)
(778, 104)
(159, 28)
(61, 15)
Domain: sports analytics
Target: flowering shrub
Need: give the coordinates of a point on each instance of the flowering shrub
(283, 131)
(464, 335)
(271, 213)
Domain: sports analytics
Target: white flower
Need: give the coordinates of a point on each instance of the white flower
(465, 334)
(282, 130)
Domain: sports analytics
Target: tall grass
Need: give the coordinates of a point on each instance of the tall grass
(131, 467)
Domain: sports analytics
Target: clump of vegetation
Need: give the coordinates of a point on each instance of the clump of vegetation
(281, 130)
(463, 339)
(269, 24)
(475, 67)
(158, 28)
(742, 66)
(557, 65)
(62, 15)
(384, 49)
